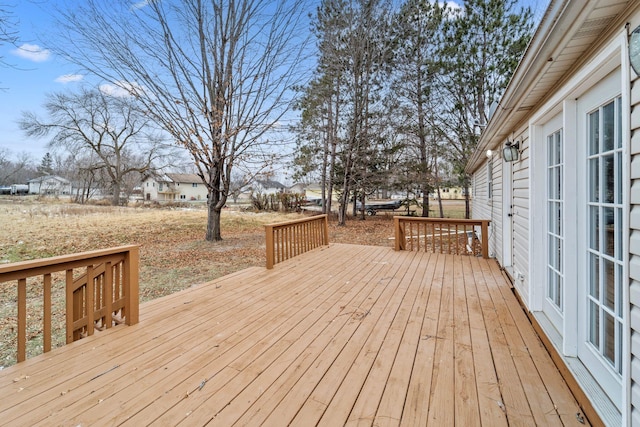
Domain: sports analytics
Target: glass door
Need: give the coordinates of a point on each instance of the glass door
(554, 295)
(601, 344)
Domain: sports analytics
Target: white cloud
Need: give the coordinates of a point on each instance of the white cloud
(32, 52)
(140, 4)
(121, 89)
(69, 78)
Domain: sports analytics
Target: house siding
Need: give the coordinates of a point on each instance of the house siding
(634, 248)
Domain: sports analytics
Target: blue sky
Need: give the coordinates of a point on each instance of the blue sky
(34, 72)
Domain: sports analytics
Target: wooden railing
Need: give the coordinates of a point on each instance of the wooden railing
(442, 235)
(288, 239)
(101, 290)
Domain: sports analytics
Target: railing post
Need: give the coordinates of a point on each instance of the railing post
(132, 298)
(485, 238)
(399, 234)
(269, 244)
(325, 236)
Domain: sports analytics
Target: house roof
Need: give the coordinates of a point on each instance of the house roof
(568, 31)
(188, 178)
(49, 177)
(268, 183)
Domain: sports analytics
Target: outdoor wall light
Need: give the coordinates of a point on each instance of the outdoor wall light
(510, 152)
(634, 50)
(489, 154)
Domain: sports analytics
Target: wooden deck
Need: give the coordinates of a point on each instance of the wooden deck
(342, 335)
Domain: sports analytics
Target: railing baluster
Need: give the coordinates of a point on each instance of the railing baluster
(70, 302)
(108, 295)
(22, 320)
(46, 314)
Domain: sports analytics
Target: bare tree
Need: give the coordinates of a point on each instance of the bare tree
(92, 122)
(217, 75)
(8, 24)
(15, 170)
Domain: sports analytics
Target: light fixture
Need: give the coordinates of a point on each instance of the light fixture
(634, 50)
(489, 153)
(510, 152)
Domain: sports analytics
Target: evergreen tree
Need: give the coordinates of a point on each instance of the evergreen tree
(480, 50)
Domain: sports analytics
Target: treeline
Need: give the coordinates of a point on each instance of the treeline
(400, 94)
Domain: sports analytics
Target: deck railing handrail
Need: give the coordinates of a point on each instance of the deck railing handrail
(443, 235)
(105, 292)
(288, 239)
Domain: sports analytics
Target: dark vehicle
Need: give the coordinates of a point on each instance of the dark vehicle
(371, 208)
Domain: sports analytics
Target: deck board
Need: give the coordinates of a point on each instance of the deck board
(342, 335)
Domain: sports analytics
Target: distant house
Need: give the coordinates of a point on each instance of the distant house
(298, 188)
(314, 192)
(174, 187)
(267, 186)
(449, 193)
(50, 185)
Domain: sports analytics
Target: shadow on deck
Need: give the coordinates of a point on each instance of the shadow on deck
(339, 335)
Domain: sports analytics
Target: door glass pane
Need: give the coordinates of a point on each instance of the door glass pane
(594, 276)
(609, 285)
(609, 231)
(619, 120)
(594, 227)
(594, 133)
(559, 218)
(594, 324)
(594, 174)
(619, 289)
(618, 198)
(609, 338)
(608, 127)
(608, 184)
(558, 139)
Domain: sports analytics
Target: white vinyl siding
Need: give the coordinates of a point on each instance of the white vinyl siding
(634, 250)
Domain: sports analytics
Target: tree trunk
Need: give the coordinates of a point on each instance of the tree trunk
(213, 220)
(467, 210)
(425, 203)
(115, 197)
(440, 203)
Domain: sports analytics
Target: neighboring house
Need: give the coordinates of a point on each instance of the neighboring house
(566, 214)
(314, 192)
(449, 193)
(267, 186)
(174, 187)
(50, 185)
(298, 188)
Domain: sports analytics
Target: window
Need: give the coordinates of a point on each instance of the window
(194, 185)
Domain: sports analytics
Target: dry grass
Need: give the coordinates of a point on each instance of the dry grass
(173, 252)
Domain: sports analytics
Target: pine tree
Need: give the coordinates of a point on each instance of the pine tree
(480, 50)
(46, 165)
